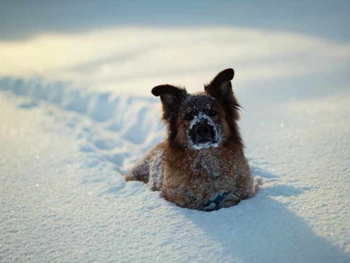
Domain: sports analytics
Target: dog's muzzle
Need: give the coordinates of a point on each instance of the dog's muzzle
(202, 132)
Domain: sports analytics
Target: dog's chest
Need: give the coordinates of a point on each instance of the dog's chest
(207, 165)
(205, 169)
(194, 180)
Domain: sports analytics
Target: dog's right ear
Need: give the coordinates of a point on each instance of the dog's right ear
(171, 98)
(220, 87)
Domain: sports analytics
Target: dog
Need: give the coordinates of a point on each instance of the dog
(201, 164)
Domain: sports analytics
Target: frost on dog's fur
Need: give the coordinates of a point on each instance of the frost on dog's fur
(201, 164)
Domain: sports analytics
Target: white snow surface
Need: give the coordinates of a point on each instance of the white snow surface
(64, 153)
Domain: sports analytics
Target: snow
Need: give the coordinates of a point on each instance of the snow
(65, 151)
(129, 59)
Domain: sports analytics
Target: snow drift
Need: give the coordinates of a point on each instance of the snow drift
(64, 153)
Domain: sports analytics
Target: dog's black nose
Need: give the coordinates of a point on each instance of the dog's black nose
(202, 130)
(202, 133)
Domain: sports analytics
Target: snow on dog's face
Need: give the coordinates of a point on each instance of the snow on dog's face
(202, 120)
(199, 122)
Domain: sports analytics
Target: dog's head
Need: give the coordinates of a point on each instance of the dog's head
(202, 120)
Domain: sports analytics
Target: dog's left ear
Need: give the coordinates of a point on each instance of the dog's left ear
(220, 87)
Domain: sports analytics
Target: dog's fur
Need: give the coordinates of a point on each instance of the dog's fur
(201, 164)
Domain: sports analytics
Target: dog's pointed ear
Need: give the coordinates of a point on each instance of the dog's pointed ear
(171, 98)
(220, 87)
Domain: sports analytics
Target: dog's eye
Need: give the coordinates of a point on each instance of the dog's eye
(212, 113)
(188, 117)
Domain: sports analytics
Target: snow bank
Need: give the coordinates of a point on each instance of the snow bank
(127, 126)
(64, 152)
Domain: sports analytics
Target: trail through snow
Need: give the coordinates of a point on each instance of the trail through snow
(64, 153)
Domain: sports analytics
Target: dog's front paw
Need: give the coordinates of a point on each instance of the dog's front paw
(214, 203)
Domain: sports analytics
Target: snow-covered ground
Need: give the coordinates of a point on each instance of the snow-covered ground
(64, 152)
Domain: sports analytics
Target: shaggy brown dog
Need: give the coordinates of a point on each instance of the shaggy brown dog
(201, 164)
